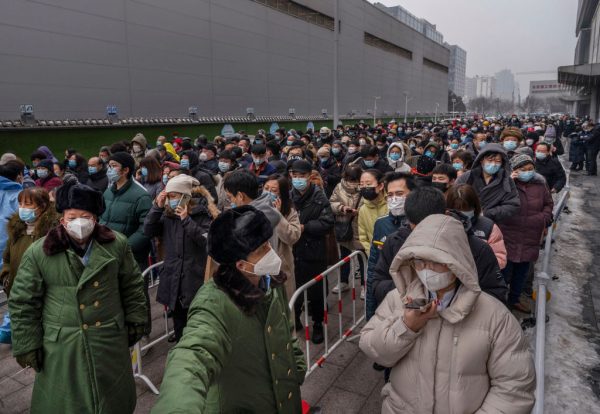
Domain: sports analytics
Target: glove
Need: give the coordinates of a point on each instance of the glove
(33, 359)
(135, 333)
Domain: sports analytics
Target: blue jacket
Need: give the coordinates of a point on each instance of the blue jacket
(9, 191)
(384, 226)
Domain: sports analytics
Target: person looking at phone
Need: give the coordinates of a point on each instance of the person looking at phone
(462, 350)
(181, 216)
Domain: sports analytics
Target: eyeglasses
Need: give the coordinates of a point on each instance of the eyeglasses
(423, 264)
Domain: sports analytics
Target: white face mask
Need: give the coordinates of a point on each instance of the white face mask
(269, 264)
(435, 281)
(137, 149)
(80, 228)
(203, 157)
(396, 205)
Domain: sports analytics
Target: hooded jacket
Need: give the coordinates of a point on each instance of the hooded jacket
(499, 198)
(344, 195)
(402, 165)
(471, 358)
(368, 214)
(9, 193)
(139, 139)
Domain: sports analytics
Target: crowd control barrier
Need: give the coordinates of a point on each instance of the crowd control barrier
(542, 278)
(344, 335)
(136, 352)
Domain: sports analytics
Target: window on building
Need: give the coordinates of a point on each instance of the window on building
(434, 65)
(299, 11)
(379, 43)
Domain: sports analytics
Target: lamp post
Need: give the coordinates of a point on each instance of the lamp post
(453, 102)
(406, 99)
(375, 109)
(437, 106)
(336, 29)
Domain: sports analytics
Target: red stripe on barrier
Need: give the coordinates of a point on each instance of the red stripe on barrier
(325, 319)
(307, 333)
(348, 332)
(318, 278)
(353, 294)
(320, 361)
(346, 259)
(339, 306)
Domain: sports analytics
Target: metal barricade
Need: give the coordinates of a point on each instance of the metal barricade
(344, 335)
(542, 278)
(136, 353)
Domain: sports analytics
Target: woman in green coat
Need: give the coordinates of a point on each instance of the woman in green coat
(76, 306)
(36, 216)
(237, 353)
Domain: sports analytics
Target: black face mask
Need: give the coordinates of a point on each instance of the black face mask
(369, 193)
(440, 186)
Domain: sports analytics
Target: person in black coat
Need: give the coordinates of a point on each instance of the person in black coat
(421, 203)
(369, 159)
(208, 161)
(97, 174)
(316, 220)
(183, 228)
(330, 170)
(592, 146)
(192, 167)
(550, 167)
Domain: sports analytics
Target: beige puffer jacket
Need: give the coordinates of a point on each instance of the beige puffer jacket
(344, 195)
(473, 358)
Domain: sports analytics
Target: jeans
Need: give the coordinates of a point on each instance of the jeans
(515, 274)
(345, 269)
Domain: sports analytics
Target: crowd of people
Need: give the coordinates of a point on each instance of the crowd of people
(450, 214)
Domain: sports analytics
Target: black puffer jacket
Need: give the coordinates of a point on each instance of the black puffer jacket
(553, 172)
(317, 218)
(185, 249)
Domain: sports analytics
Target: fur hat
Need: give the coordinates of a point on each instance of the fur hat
(75, 195)
(236, 233)
(520, 160)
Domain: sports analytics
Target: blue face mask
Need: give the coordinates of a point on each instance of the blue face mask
(112, 174)
(491, 168)
(509, 145)
(92, 170)
(526, 176)
(272, 196)
(165, 179)
(429, 154)
(42, 172)
(27, 214)
(300, 184)
(482, 144)
(541, 155)
(470, 213)
(223, 166)
(394, 156)
(144, 172)
(173, 203)
(369, 163)
(457, 166)
(454, 146)
(335, 151)
(233, 205)
(289, 143)
(72, 163)
(323, 160)
(185, 163)
(258, 161)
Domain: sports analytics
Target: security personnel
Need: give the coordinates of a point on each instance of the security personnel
(77, 305)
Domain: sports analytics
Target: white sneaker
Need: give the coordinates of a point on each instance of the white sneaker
(362, 293)
(341, 287)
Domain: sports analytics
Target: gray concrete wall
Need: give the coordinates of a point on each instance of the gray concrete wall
(71, 58)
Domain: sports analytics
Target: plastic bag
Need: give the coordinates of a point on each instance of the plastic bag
(5, 337)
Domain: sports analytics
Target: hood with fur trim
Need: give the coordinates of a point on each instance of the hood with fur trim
(47, 220)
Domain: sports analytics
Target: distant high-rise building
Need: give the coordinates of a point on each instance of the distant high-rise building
(505, 85)
(481, 86)
(457, 73)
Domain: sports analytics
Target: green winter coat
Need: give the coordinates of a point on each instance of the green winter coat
(79, 315)
(231, 362)
(126, 209)
(19, 241)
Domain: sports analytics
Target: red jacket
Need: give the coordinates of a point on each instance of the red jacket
(49, 183)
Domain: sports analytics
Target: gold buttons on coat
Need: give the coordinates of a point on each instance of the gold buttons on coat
(98, 323)
(289, 372)
(85, 326)
(82, 306)
(273, 356)
(96, 284)
(288, 346)
(96, 304)
(290, 396)
(269, 329)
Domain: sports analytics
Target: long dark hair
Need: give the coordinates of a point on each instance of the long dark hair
(284, 192)
(154, 169)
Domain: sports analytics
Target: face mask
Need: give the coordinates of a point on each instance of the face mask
(223, 166)
(165, 179)
(72, 163)
(335, 151)
(80, 228)
(529, 142)
(509, 145)
(42, 172)
(470, 213)
(104, 160)
(300, 184)
(429, 154)
(185, 163)
(482, 144)
(27, 214)
(457, 166)
(137, 149)
(454, 146)
(497, 129)
(435, 281)
(173, 203)
(491, 168)
(526, 176)
(440, 186)
(269, 264)
(158, 143)
(258, 161)
(112, 174)
(549, 140)
(463, 138)
(233, 205)
(380, 147)
(394, 156)
(144, 172)
(408, 131)
(473, 129)
(369, 163)
(272, 196)
(541, 155)
(289, 143)
(412, 146)
(203, 157)
(369, 193)
(351, 150)
(92, 170)
(323, 160)
(362, 142)
(396, 205)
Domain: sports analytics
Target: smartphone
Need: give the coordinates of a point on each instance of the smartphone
(419, 303)
(184, 200)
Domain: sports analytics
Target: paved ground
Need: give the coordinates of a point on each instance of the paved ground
(348, 384)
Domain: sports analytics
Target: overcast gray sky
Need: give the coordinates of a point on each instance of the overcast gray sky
(521, 35)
